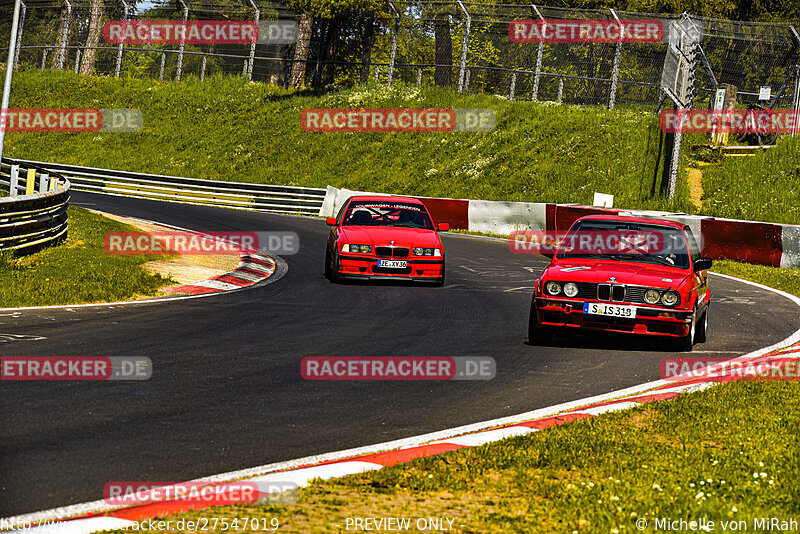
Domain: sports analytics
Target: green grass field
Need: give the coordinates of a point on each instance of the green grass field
(78, 270)
(725, 454)
(763, 187)
(226, 128)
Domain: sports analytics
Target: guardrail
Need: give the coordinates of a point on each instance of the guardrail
(240, 195)
(31, 220)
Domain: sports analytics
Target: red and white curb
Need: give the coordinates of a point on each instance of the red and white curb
(98, 515)
(253, 268)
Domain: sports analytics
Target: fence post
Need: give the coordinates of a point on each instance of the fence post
(393, 53)
(612, 96)
(12, 188)
(419, 76)
(376, 72)
(464, 44)
(513, 85)
(539, 55)
(77, 60)
(252, 46)
(466, 79)
(44, 58)
(119, 47)
(161, 69)
(796, 86)
(203, 69)
(12, 45)
(43, 182)
(183, 41)
(560, 90)
(63, 49)
(30, 184)
(19, 34)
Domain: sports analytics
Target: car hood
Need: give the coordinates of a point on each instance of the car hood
(625, 273)
(384, 235)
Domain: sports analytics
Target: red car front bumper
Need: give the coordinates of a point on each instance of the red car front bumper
(425, 268)
(568, 315)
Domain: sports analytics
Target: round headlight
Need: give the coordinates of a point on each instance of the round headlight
(418, 251)
(570, 289)
(553, 288)
(651, 296)
(670, 298)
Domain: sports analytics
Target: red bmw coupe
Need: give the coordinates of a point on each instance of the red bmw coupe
(376, 237)
(627, 275)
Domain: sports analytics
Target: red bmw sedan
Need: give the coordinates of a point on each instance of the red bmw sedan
(624, 275)
(385, 237)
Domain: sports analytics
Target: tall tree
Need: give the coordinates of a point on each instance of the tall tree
(301, 50)
(444, 50)
(64, 32)
(311, 10)
(97, 14)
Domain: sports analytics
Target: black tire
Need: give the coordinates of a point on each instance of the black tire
(702, 328)
(334, 267)
(537, 335)
(327, 264)
(440, 281)
(685, 343)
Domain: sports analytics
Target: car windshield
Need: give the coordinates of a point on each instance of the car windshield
(362, 213)
(626, 241)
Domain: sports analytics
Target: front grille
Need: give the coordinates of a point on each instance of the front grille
(586, 290)
(635, 295)
(388, 252)
(603, 291)
(618, 293)
(390, 270)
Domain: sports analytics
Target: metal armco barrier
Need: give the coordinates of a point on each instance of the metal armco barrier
(29, 220)
(240, 195)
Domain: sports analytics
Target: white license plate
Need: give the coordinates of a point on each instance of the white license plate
(612, 310)
(392, 264)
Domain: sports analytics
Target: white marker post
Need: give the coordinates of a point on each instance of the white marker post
(12, 51)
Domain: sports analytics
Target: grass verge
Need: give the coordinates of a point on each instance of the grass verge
(78, 270)
(787, 280)
(728, 455)
(762, 187)
(723, 454)
(225, 128)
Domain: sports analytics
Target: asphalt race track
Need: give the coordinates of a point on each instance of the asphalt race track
(226, 391)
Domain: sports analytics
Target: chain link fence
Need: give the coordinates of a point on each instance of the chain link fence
(464, 45)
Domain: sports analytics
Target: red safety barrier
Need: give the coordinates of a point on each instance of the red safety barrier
(453, 211)
(748, 242)
(566, 215)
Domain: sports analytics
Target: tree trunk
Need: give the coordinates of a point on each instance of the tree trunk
(330, 47)
(301, 51)
(367, 42)
(98, 12)
(444, 50)
(64, 27)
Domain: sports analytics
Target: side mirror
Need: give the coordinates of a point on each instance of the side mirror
(330, 221)
(702, 264)
(444, 227)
